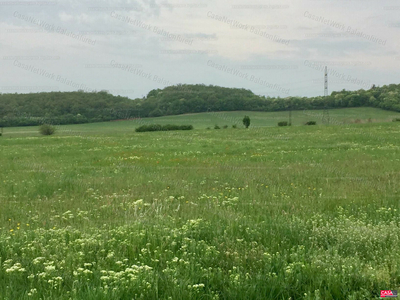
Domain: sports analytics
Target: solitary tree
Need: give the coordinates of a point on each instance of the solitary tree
(246, 121)
(46, 129)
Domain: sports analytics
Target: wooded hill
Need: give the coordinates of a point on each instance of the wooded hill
(84, 107)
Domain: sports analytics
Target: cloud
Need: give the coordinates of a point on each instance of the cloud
(181, 36)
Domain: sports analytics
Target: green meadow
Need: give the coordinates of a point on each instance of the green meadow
(203, 120)
(98, 211)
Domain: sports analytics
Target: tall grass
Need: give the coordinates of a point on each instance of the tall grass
(307, 212)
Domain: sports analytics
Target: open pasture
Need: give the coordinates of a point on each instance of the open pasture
(203, 120)
(301, 212)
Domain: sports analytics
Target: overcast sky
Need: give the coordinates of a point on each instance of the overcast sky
(274, 48)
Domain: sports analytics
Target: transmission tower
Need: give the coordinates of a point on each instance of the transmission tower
(325, 117)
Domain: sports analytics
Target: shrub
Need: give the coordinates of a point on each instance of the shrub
(186, 127)
(283, 123)
(46, 129)
(216, 127)
(152, 127)
(168, 127)
(234, 126)
(396, 120)
(310, 123)
(208, 128)
(246, 121)
(225, 126)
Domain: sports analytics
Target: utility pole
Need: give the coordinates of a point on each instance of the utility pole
(326, 82)
(325, 117)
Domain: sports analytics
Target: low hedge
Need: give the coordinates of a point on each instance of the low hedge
(310, 123)
(168, 127)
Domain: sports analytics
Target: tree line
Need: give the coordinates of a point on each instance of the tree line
(86, 107)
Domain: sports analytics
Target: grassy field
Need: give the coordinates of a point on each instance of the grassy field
(204, 120)
(98, 211)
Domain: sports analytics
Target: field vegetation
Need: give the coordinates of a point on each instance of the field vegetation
(343, 116)
(99, 211)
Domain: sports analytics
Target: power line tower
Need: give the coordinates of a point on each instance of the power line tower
(325, 116)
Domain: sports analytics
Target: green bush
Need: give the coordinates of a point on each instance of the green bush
(246, 121)
(46, 129)
(283, 123)
(310, 123)
(185, 127)
(396, 120)
(152, 127)
(216, 127)
(208, 128)
(234, 126)
(225, 126)
(168, 127)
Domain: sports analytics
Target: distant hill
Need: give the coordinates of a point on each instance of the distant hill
(83, 107)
